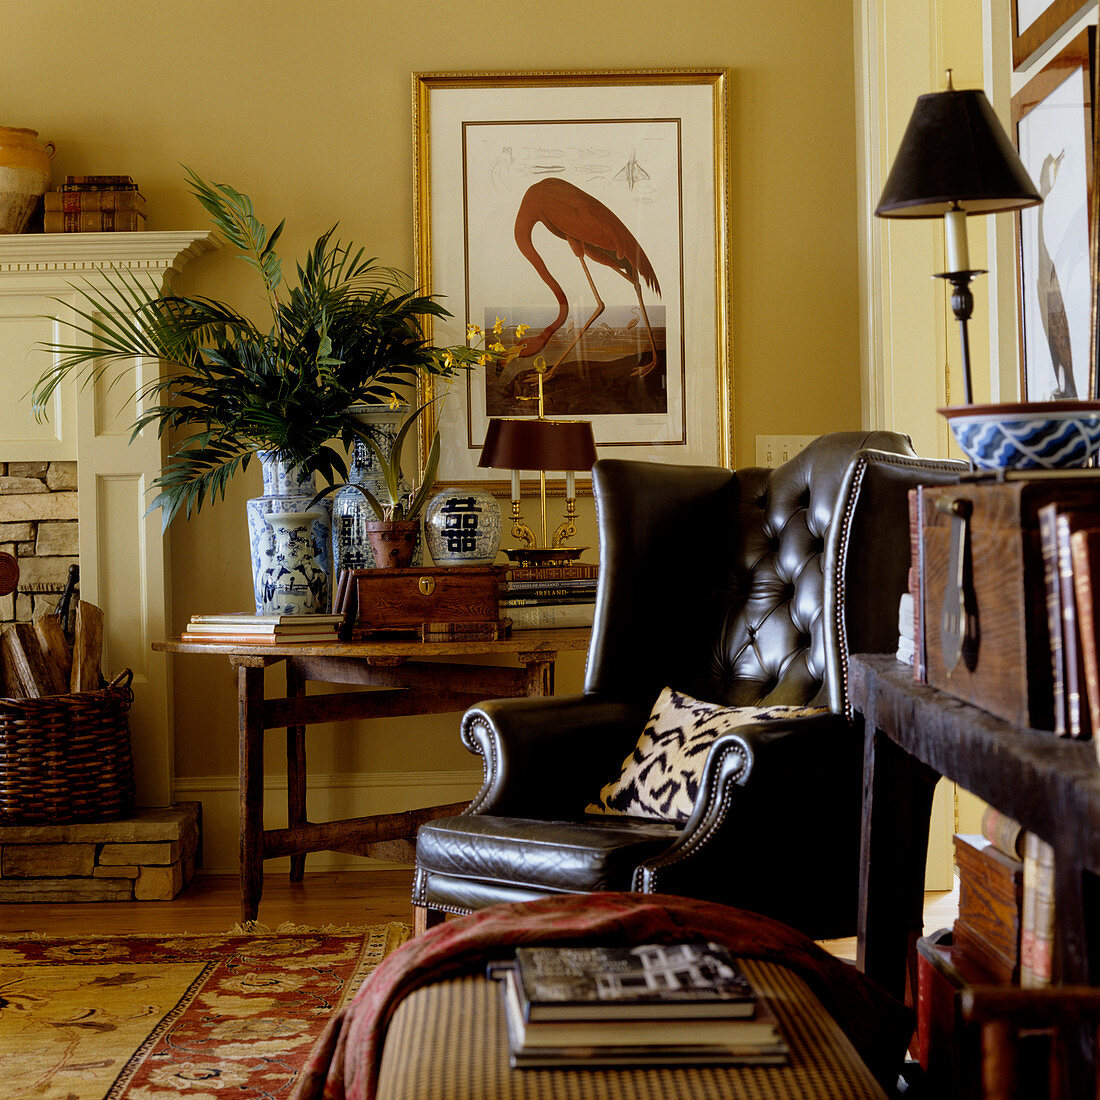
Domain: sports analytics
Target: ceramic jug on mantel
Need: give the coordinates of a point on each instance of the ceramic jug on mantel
(24, 175)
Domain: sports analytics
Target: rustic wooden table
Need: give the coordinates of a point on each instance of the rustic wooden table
(913, 734)
(403, 681)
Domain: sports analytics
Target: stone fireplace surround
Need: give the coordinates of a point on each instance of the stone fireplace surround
(72, 491)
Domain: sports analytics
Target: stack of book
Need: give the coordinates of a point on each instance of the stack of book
(544, 596)
(94, 204)
(243, 628)
(1070, 543)
(654, 1004)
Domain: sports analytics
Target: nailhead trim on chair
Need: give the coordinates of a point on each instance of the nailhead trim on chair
(645, 876)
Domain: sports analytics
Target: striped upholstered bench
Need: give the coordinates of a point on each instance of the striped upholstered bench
(447, 1041)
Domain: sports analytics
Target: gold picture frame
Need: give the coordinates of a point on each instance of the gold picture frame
(542, 196)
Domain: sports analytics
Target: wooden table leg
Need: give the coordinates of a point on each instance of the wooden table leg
(897, 807)
(295, 771)
(250, 704)
(540, 671)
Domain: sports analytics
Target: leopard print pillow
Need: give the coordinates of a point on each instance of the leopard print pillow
(660, 778)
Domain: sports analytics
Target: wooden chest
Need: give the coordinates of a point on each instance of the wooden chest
(1005, 665)
(438, 603)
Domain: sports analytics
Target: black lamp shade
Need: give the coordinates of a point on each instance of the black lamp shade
(955, 153)
(532, 443)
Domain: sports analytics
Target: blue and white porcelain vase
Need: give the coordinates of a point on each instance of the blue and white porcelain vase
(285, 491)
(463, 527)
(293, 581)
(351, 548)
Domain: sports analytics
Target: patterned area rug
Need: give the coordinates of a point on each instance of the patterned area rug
(184, 1017)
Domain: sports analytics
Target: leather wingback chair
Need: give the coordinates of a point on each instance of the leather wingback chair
(743, 588)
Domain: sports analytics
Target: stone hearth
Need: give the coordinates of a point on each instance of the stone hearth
(149, 856)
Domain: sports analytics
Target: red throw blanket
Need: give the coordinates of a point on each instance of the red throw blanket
(344, 1062)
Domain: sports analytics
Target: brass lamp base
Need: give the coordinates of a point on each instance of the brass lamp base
(528, 556)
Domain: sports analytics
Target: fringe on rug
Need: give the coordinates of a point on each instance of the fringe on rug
(258, 928)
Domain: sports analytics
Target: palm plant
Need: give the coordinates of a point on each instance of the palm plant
(348, 333)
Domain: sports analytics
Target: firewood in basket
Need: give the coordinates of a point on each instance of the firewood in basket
(55, 649)
(12, 686)
(26, 665)
(9, 573)
(87, 648)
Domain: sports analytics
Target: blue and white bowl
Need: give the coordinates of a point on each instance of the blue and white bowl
(1038, 435)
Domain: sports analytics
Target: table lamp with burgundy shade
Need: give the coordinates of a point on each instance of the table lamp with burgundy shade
(536, 443)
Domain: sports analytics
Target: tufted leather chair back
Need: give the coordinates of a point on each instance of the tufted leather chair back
(727, 604)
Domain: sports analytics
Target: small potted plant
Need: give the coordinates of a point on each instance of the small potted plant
(394, 530)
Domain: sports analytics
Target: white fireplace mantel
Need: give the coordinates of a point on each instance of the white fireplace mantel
(57, 256)
(123, 555)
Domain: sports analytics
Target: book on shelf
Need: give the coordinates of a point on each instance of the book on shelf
(583, 584)
(226, 637)
(906, 652)
(1003, 832)
(546, 600)
(548, 616)
(543, 574)
(75, 202)
(1038, 918)
(1085, 552)
(1056, 527)
(95, 183)
(583, 589)
(321, 630)
(244, 620)
(1078, 720)
(664, 981)
(915, 499)
(93, 221)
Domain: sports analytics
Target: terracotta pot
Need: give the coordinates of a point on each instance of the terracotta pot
(24, 176)
(393, 542)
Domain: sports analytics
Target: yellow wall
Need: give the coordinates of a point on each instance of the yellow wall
(307, 108)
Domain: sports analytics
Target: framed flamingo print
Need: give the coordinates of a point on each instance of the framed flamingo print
(583, 217)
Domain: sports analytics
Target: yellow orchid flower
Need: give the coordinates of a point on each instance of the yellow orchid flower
(498, 327)
(522, 331)
(473, 331)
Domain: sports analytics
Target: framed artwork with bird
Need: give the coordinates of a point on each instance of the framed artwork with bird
(1056, 282)
(580, 218)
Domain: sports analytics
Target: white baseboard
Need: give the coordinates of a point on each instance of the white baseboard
(329, 798)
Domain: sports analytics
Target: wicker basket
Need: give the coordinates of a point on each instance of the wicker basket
(66, 758)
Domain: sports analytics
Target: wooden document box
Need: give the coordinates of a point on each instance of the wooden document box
(1008, 672)
(438, 603)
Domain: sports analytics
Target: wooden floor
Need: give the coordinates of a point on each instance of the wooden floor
(211, 903)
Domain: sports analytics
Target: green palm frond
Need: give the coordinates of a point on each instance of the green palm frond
(350, 332)
(234, 217)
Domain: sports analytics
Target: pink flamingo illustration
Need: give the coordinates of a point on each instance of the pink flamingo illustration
(593, 232)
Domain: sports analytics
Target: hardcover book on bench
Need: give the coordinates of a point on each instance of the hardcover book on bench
(662, 981)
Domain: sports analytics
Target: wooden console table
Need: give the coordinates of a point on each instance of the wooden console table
(403, 682)
(913, 735)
